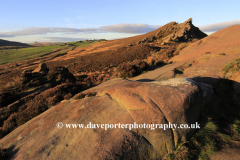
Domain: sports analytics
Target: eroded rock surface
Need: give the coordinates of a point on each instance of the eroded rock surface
(177, 101)
(175, 32)
(183, 32)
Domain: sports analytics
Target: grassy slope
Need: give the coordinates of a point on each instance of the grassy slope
(14, 55)
(12, 43)
(231, 68)
(83, 43)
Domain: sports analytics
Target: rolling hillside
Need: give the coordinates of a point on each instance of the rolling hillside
(11, 43)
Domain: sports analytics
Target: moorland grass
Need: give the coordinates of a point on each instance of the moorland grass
(220, 119)
(14, 55)
(220, 123)
(232, 66)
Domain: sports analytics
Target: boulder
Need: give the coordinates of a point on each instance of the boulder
(236, 82)
(41, 68)
(213, 80)
(150, 60)
(176, 101)
(60, 75)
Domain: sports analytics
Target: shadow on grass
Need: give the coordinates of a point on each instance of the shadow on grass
(220, 122)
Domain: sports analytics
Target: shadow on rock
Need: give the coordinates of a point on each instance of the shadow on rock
(219, 119)
(9, 153)
(145, 80)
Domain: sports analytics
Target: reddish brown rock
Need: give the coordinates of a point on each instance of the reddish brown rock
(59, 75)
(41, 68)
(176, 101)
(150, 60)
(183, 32)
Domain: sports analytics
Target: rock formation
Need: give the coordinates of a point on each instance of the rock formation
(175, 32)
(177, 101)
(43, 75)
(183, 32)
(42, 68)
(59, 75)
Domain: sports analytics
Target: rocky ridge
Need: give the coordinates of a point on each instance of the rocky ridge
(175, 32)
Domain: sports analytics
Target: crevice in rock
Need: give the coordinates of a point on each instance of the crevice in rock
(173, 132)
(140, 97)
(166, 148)
(120, 105)
(141, 136)
(160, 75)
(134, 132)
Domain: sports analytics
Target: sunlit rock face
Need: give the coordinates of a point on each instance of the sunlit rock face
(177, 101)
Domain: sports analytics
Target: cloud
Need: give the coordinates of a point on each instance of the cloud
(217, 26)
(45, 30)
(128, 28)
(118, 28)
(156, 26)
(63, 39)
(136, 28)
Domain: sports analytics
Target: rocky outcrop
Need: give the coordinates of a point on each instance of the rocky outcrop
(183, 32)
(175, 32)
(32, 79)
(177, 101)
(35, 77)
(43, 75)
(131, 69)
(59, 75)
(41, 68)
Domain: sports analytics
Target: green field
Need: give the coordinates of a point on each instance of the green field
(82, 43)
(14, 55)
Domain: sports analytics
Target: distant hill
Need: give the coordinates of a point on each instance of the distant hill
(12, 43)
(39, 44)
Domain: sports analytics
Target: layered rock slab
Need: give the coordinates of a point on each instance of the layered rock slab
(176, 101)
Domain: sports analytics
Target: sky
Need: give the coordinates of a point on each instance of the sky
(72, 20)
